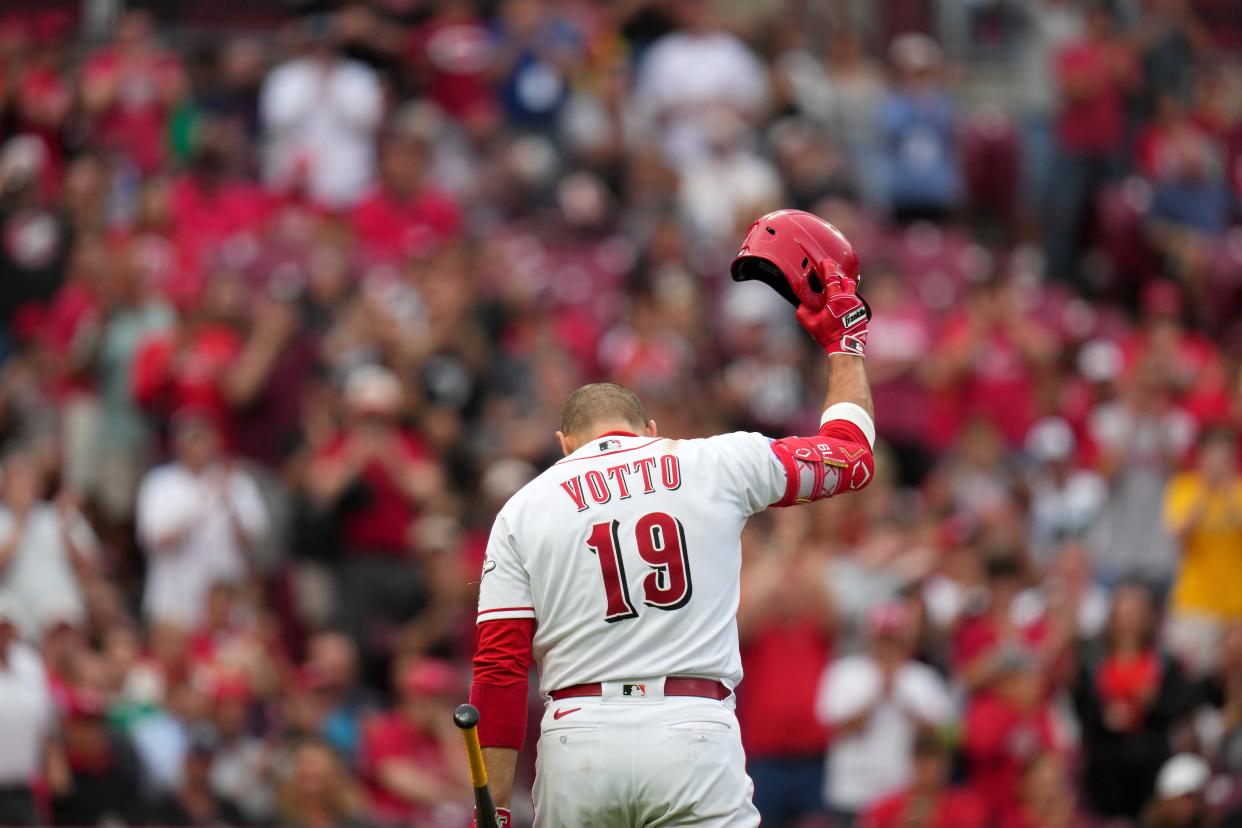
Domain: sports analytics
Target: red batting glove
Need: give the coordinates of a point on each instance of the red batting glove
(840, 327)
(503, 818)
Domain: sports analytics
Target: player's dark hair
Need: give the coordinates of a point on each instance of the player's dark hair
(601, 402)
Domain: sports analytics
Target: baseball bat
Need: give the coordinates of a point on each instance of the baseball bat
(466, 717)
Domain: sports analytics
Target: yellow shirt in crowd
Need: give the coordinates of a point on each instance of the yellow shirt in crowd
(1209, 579)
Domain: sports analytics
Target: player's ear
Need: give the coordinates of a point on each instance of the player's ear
(567, 446)
(651, 429)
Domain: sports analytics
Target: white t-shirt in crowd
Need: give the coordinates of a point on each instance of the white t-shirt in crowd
(320, 120)
(40, 579)
(686, 76)
(180, 575)
(26, 715)
(875, 760)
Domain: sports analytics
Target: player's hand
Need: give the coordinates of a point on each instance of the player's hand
(503, 818)
(840, 327)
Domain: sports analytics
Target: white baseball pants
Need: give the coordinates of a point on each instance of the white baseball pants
(641, 761)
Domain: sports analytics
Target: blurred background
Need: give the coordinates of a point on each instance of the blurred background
(291, 294)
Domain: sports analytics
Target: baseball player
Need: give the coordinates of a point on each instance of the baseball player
(617, 569)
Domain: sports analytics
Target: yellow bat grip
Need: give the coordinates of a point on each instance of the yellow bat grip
(478, 771)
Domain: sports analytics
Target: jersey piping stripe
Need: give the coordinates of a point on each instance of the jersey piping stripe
(506, 609)
(606, 453)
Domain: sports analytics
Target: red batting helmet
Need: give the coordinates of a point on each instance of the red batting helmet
(793, 252)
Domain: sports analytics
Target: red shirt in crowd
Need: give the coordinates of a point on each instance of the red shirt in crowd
(776, 705)
(143, 83)
(1129, 685)
(169, 376)
(1092, 119)
(206, 216)
(393, 736)
(952, 809)
(72, 312)
(1000, 739)
(380, 523)
(979, 634)
(392, 227)
(1000, 386)
(455, 56)
(44, 98)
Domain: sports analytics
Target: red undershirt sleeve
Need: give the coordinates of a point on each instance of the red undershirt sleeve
(501, 670)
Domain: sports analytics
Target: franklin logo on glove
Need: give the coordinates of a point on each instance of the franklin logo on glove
(854, 317)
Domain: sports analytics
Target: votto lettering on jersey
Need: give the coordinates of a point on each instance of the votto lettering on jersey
(622, 481)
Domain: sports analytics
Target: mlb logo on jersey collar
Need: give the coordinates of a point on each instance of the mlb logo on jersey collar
(609, 445)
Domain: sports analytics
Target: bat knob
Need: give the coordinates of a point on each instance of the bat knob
(466, 716)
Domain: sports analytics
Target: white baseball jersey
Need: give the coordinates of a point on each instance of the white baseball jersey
(628, 554)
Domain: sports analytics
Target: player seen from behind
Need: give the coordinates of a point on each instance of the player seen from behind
(617, 570)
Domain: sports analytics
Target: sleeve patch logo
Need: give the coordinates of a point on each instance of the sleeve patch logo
(488, 565)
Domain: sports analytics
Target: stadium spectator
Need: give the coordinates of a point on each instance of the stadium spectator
(929, 800)
(266, 381)
(1179, 801)
(187, 364)
(332, 660)
(35, 246)
(129, 90)
(1219, 721)
(199, 519)
(918, 126)
(47, 551)
(1203, 512)
(321, 113)
(538, 46)
(1065, 498)
(988, 365)
(170, 709)
(239, 773)
(1094, 75)
(405, 216)
(989, 638)
(876, 703)
(130, 309)
(450, 56)
(412, 757)
(839, 94)
(1140, 438)
(373, 475)
(194, 803)
(27, 717)
(692, 75)
(104, 773)
(1005, 729)
(785, 626)
(1048, 798)
(1050, 25)
(1129, 697)
(897, 347)
(1069, 590)
(317, 792)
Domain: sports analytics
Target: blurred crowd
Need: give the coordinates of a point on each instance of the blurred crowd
(285, 317)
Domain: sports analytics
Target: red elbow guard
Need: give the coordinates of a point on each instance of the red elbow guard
(836, 460)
